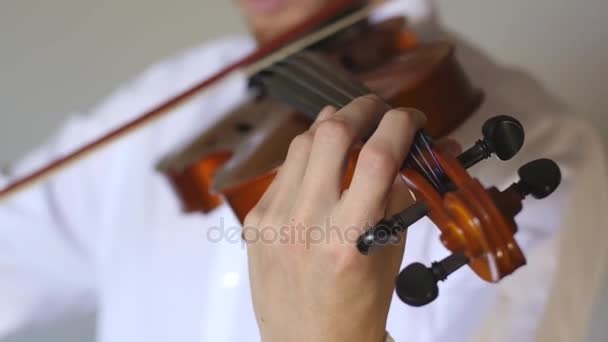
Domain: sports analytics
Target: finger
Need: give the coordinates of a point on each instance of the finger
(284, 179)
(284, 189)
(378, 164)
(400, 197)
(333, 140)
(324, 114)
(449, 146)
(291, 172)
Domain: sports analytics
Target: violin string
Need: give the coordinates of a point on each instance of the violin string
(305, 78)
(425, 160)
(424, 166)
(279, 80)
(299, 79)
(299, 88)
(420, 168)
(427, 144)
(342, 80)
(417, 154)
(307, 85)
(357, 92)
(309, 88)
(433, 177)
(295, 98)
(309, 69)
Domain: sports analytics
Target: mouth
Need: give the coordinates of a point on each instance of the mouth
(265, 6)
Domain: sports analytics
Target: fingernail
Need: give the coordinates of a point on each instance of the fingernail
(326, 112)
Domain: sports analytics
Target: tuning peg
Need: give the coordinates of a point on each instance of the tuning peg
(416, 285)
(538, 178)
(502, 135)
(387, 231)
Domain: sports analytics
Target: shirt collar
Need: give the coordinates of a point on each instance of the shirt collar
(420, 14)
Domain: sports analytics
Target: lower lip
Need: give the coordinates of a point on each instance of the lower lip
(265, 6)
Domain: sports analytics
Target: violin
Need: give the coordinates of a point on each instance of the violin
(332, 58)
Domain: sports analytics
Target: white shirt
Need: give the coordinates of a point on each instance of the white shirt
(108, 233)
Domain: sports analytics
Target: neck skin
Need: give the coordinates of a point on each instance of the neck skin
(268, 24)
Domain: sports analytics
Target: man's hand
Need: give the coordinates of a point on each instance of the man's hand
(309, 282)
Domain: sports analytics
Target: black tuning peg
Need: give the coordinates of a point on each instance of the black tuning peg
(416, 285)
(538, 178)
(502, 135)
(387, 231)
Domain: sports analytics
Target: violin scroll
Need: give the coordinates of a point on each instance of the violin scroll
(501, 133)
(417, 285)
(477, 224)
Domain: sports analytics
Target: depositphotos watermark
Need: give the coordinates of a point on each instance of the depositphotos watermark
(293, 233)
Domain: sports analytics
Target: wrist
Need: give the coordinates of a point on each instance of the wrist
(354, 334)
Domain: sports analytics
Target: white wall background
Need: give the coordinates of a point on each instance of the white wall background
(60, 56)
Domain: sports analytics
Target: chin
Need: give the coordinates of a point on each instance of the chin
(267, 26)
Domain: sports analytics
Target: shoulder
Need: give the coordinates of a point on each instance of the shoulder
(553, 129)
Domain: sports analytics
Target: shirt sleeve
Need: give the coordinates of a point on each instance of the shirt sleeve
(46, 265)
(51, 234)
(583, 257)
(553, 296)
(55, 236)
